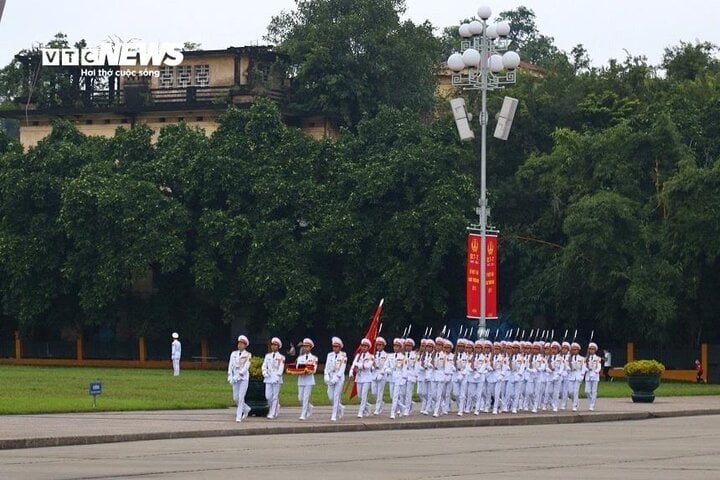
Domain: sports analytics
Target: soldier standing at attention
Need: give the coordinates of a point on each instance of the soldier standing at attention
(272, 369)
(306, 380)
(175, 352)
(335, 377)
(238, 376)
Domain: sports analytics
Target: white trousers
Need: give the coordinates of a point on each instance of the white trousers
(239, 391)
(334, 392)
(304, 393)
(272, 395)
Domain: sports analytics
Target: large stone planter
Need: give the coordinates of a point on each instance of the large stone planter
(643, 387)
(255, 397)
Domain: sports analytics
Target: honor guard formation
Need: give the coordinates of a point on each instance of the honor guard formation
(469, 377)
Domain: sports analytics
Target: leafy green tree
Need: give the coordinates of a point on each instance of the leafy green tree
(33, 243)
(349, 57)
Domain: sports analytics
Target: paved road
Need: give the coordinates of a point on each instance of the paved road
(23, 431)
(665, 448)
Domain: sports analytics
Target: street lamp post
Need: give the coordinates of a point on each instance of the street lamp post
(483, 66)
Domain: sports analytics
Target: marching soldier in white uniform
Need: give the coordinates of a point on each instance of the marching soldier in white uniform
(411, 375)
(425, 373)
(530, 375)
(592, 377)
(273, 368)
(239, 376)
(576, 374)
(377, 387)
(449, 375)
(556, 372)
(438, 376)
(515, 382)
(395, 366)
(500, 370)
(335, 377)
(362, 370)
(565, 376)
(306, 380)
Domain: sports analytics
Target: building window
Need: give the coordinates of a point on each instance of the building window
(184, 76)
(88, 122)
(107, 121)
(202, 75)
(167, 77)
(161, 119)
(198, 119)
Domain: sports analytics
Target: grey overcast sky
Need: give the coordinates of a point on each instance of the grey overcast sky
(605, 27)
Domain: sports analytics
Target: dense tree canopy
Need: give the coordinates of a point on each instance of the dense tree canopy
(606, 196)
(348, 57)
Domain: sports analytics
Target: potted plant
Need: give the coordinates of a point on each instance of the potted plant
(255, 396)
(643, 377)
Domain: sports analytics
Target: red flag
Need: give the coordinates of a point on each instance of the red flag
(371, 335)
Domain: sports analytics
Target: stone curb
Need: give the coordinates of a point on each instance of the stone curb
(359, 426)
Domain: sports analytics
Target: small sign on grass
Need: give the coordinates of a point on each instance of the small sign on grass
(95, 390)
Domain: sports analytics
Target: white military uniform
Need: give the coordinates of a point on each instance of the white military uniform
(238, 377)
(362, 369)
(377, 387)
(411, 378)
(175, 352)
(395, 365)
(273, 368)
(335, 364)
(306, 381)
(575, 377)
(556, 367)
(592, 377)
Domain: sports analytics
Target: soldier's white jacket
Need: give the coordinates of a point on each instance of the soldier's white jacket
(439, 359)
(362, 367)
(411, 370)
(335, 364)
(395, 365)
(379, 359)
(238, 366)
(577, 368)
(310, 361)
(593, 366)
(273, 367)
(556, 367)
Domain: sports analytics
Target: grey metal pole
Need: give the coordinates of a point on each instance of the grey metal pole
(484, 55)
(484, 50)
(2, 7)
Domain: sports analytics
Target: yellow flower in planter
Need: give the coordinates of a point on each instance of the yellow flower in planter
(644, 367)
(256, 368)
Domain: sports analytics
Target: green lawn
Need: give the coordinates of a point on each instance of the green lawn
(65, 389)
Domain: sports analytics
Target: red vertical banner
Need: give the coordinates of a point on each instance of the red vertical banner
(491, 276)
(473, 276)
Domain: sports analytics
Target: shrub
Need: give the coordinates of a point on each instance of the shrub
(256, 368)
(644, 367)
